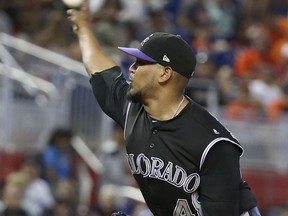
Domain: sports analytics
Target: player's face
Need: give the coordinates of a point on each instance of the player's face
(142, 79)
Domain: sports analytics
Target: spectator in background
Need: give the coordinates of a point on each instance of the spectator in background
(13, 194)
(280, 51)
(205, 71)
(228, 86)
(116, 174)
(107, 201)
(282, 66)
(66, 203)
(112, 154)
(55, 35)
(276, 109)
(109, 24)
(38, 195)
(263, 88)
(281, 26)
(258, 53)
(111, 198)
(194, 20)
(60, 208)
(24, 13)
(133, 11)
(278, 7)
(222, 13)
(66, 190)
(244, 107)
(58, 157)
(6, 24)
(156, 22)
(221, 52)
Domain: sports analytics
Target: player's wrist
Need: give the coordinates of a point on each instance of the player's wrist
(84, 28)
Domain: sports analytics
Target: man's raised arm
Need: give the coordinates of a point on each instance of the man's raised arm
(94, 59)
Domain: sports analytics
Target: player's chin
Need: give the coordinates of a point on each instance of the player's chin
(134, 96)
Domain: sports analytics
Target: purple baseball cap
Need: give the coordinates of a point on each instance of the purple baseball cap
(168, 50)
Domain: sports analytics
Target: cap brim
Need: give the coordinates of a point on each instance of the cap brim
(136, 53)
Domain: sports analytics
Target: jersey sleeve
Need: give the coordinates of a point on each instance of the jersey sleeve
(219, 189)
(110, 89)
(247, 198)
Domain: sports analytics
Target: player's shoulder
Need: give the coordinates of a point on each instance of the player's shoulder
(209, 131)
(202, 117)
(206, 124)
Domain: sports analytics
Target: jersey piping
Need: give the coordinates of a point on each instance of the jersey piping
(211, 144)
(128, 108)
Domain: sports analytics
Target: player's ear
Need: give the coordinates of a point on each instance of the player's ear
(166, 74)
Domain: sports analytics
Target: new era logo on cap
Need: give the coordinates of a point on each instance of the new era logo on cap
(166, 59)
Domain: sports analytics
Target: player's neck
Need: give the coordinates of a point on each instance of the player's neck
(164, 109)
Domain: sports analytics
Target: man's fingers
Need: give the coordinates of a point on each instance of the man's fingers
(72, 15)
(79, 16)
(75, 28)
(69, 12)
(71, 18)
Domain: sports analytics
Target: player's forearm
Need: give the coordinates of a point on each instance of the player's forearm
(94, 59)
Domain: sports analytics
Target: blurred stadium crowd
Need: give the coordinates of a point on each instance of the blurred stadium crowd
(242, 45)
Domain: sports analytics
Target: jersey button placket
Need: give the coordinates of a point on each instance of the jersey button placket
(154, 132)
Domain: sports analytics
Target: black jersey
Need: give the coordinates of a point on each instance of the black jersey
(168, 158)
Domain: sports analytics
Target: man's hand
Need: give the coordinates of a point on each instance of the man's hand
(79, 17)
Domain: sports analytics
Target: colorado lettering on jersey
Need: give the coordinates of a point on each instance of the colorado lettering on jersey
(156, 168)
